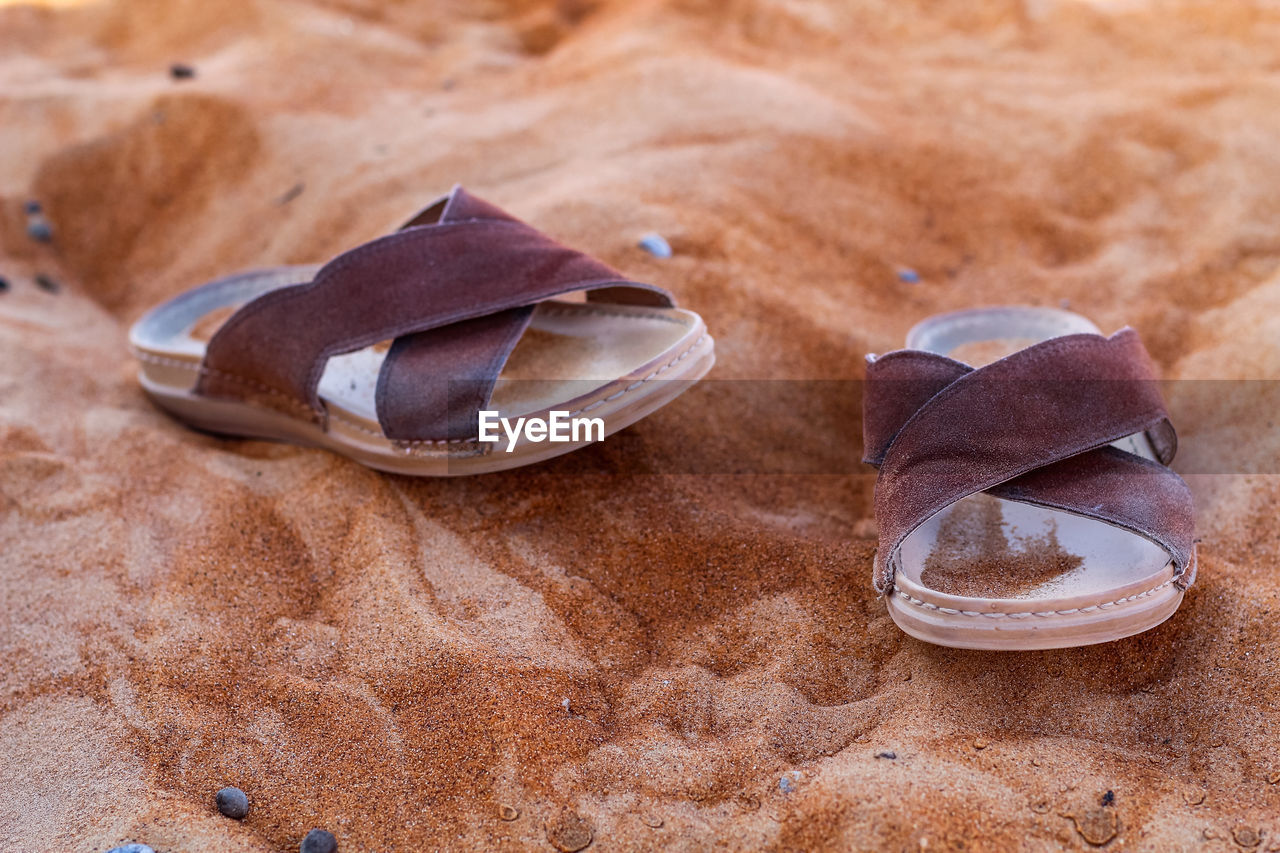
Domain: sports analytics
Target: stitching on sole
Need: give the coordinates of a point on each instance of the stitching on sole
(200, 369)
(1022, 614)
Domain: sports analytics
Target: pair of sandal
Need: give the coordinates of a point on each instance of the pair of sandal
(1052, 435)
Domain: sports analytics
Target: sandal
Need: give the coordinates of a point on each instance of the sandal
(389, 352)
(1023, 502)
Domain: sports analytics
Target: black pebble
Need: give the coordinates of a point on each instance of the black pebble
(233, 803)
(46, 284)
(293, 192)
(319, 841)
(1108, 798)
(40, 231)
(888, 755)
(31, 208)
(4, 284)
(179, 71)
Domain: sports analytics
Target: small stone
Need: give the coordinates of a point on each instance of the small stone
(131, 847)
(889, 754)
(1246, 836)
(788, 782)
(1272, 778)
(1194, 798)
(652, 821)
(4, 284)
(656, 245)
(46, 284)
(569, 832)
(319, 841)
(1035, 762)
(1040, 807)
(508, 813)
(908, 276)
(1097, 826)
(40, 231)
(233, 803)
(291, 193)
(980, 743)
(1109, 798)
(181, 71)
(32, 207)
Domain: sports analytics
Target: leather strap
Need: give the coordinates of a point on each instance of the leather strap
(433, 384)
(1120, 488)
(898, 384)
(461, 262)
(1026, 427)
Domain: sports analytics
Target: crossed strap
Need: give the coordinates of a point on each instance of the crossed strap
(454, 289)
(1033, 427)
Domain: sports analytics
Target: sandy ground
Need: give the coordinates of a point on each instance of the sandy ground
(391, 659)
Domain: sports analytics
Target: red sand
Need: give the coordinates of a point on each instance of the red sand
(390, 659)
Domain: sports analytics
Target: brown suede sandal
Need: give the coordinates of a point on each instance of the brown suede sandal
(1023, 500)
(389, 352)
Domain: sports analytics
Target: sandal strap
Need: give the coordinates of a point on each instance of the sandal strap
(458, 262)
(434, 383)
(1119, 488)
(941, 430)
